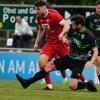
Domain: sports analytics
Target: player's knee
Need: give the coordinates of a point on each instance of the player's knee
(42, 63)
(47, 68)
(97, 62)
(73, 85)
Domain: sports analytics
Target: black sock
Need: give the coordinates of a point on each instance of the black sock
(39, 75)
(99, 77)
(81, 85)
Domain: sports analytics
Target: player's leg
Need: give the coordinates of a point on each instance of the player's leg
(67, 62)
(39, 75)
(51, 66)
(42, 63)
(74, 84)
(45, 56)
(65, 50)
(62, 50)
(97, 63)
(82, 77)
(63, 73)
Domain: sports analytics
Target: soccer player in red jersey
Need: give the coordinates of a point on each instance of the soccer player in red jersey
(54, 25)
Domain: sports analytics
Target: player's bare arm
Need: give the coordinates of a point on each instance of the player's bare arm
(65, 29)
(66, 39)
(39, 37)
(95, 54)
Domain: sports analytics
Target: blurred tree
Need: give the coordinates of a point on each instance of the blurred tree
(58, 2)
(17, 1)
(73, 2)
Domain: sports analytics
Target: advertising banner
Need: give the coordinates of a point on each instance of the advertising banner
(26, 64)
(8, 14)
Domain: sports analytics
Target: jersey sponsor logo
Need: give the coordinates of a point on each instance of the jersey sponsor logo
(79, 43)
(45, 26)
(82, 36)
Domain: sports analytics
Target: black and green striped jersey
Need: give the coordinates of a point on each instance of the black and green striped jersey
(81, 44)
(93, 23)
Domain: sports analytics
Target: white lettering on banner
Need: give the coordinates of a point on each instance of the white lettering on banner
(32, 11)
(2, 66)
(12, 19)
(31, 68)
(7, 10)
(26, 18)
(5, 17)
(21, 67)
(37, 67)
(9, 14)
(23, 11)
(31, 19)
(11, 67)
(17, 66)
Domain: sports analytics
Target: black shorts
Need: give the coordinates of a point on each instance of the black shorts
(98, 47)
(99, 51)
(66, 62)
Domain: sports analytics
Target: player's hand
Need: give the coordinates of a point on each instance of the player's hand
(88, 64)
(36, 47)
(60, 37)
(65, 40)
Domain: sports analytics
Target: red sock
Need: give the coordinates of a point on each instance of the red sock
(63, 73)
(82, 77)
(47, 77)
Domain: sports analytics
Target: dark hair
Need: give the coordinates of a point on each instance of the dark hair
(78, 19)
(40, 3)
(97, 2)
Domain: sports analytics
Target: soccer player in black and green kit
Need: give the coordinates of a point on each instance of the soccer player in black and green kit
(93, 23)
(82, 41)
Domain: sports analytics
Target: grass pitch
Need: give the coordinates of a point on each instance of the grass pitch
(12, 90)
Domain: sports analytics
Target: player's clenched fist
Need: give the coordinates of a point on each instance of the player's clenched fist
(35, 47)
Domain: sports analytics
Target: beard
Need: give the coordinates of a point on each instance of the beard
(77, 29)
(98, 13)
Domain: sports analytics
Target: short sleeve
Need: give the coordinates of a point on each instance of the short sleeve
(92, 40)
(57, 17)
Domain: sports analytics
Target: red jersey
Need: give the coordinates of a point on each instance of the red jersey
(51, 25)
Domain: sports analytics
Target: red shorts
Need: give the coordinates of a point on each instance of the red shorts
(56, 50)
